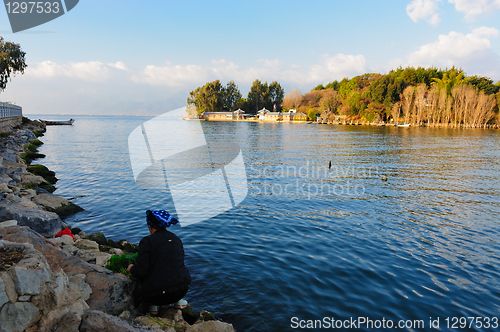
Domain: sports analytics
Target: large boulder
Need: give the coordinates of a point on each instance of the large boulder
(57, 204)
(111, 292)
(97, 321)
(46, 223)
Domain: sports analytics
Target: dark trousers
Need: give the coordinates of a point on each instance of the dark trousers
(160, 298)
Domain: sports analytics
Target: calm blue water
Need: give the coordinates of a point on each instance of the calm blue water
(309, 242)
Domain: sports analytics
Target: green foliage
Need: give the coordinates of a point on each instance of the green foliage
(258, 96)
(346, 86)
(333, 85)
(36, 142)
(213, 97)
(311, 114)
(39, 133)
(119, 264)
(11, 61)
(43, 171)
(319, 87)
(231, 94)
(276, 95)
(483, 84)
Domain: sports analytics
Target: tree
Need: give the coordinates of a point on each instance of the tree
(276, 94)
(208, 98)
(258, 96)
(11, 61)
(330, 101)
(231, 95)
(292, 99)
(407, 102)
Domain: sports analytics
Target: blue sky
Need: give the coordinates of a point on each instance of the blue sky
(143, 57)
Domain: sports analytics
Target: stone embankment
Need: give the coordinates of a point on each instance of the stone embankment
(52, 283)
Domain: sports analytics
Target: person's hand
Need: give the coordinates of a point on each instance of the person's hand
(129, 267)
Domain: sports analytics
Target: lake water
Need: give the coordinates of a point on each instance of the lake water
(310, 241)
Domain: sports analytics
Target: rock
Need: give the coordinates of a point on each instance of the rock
(207, 315)
(39, 190)
(57, 241)
(97, 321)
(102, 259)
(26, 133)
(3, 294)
(44, 172)
(113, 251)
(31, 180)
(75, 230)
(43, 222)
(87, 245)
(67, 240)
(211, 326)
(94, 257)
(127, 246)
(98, 237)
(4, 188)
(70, 249)
(13, 198)
(111, 293)
(9, 287)
(77, 282)
(31, 273)
(28, 204)
(125, 315)
(5, 179)
(18, 316)
(384, 178)
(8, 223)
(28, 193)
(189, 315)
(57, 204)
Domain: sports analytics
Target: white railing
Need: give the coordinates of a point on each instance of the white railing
(10, 110)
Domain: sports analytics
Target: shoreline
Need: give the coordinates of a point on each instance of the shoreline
(62, 280)
(360, 123)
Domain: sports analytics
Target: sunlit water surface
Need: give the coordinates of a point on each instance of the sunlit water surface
(311, 242)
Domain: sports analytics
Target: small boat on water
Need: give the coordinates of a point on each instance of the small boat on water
(58, 123)
(403, 125)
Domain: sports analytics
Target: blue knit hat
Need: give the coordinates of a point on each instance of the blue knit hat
(159, 219)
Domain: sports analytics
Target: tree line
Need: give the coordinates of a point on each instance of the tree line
(418, 96)
(214, 97)
(12, 60)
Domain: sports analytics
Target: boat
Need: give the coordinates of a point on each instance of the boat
(58, 123)
(403, 125)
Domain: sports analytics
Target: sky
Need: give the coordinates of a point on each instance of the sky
(144, 57)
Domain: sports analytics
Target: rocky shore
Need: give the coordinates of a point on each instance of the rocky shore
(52, 283)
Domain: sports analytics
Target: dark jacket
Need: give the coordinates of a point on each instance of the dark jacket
(159, 267)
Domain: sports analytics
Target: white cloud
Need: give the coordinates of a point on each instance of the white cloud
(171, 75)
(471, 51)
(424, 9)
(473, 8)
(93, 71)
(118, 65)
(337, 67)
(97, 88)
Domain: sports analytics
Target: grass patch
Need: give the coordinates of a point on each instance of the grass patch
(39, 133)
(36, 142)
